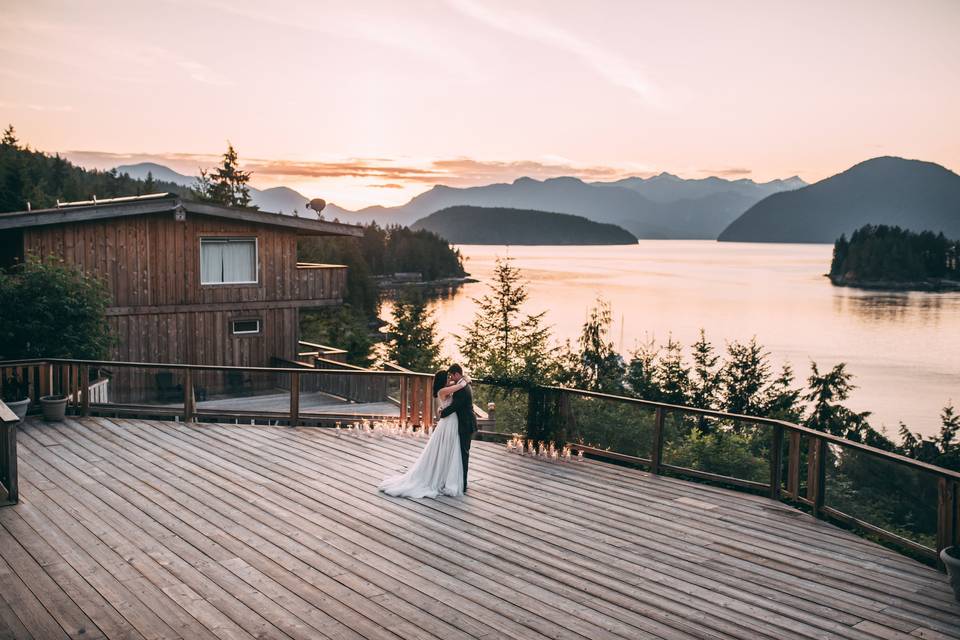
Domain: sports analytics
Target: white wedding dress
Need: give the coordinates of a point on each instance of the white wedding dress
(438, 470)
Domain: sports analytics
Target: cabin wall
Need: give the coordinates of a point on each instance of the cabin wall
(154, 260)
(161, 313)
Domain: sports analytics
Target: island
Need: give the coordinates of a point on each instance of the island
(885, 257)
(496, 225)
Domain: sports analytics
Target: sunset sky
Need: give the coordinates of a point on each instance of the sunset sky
(373, 102)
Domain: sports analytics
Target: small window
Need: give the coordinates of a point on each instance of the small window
(245, 327)
(228, 260)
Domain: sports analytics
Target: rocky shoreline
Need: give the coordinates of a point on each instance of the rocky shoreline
(931, 285)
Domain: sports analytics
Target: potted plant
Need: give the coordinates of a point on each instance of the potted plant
(16, 395)
(951, 560)
(54, 408)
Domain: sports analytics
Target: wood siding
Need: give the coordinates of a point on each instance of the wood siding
(153, 260)
(160, 311)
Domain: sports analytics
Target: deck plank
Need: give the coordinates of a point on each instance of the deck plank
(150, 529)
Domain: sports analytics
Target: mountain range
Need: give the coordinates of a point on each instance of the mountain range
(662, 206)
(466, 224)
(915, 195)
(276, 199)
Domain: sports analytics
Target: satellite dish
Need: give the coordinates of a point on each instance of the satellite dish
(317, 204)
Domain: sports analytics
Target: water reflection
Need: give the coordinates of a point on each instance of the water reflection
(898, 306)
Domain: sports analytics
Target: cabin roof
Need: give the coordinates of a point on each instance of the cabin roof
(68, 212)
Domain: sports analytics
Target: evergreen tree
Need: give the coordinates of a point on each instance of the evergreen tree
(9, 138)
(704, 389)
(782, 399)
(226, 184)
(743, 378)
(596, 365)
(413, 335)
(826, 391)
(502, 341)
(149, 185)
(640, 376)
(673, 374)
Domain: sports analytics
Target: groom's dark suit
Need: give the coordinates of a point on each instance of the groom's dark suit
(462, 405)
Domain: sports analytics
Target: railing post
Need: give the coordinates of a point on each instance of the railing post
(189, 410)
(403, 400)
(84, 390)
(656, 451)
(947, 524)
(294, 398)
(776, 461)
(492, 415)
(8, 453)
(793, 465)
(428, 405)
(816, 474)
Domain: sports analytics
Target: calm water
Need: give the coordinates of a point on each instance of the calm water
(903, 348)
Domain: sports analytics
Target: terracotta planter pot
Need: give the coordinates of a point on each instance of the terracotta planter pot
(951, 559)
(54, 408)
(19, 407)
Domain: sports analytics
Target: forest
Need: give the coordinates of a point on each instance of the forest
(880, 253)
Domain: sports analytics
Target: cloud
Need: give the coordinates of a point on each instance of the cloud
(393, 173)
(610, 65)
(730, 171)
(46, 108)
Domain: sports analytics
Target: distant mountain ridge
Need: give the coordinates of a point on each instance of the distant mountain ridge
(691, 209)
(275, 199)
(912, 194)
(465, 224)
(662, 206)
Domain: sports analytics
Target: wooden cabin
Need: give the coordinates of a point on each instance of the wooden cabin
(190, 282)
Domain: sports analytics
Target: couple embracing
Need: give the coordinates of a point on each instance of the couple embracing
(441, 468)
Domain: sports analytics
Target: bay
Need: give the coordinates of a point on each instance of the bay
(902, 347)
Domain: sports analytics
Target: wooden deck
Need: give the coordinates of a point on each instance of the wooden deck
(131, 529)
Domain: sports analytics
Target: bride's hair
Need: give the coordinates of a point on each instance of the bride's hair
(439, 381)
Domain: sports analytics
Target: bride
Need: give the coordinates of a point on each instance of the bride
(439, 469)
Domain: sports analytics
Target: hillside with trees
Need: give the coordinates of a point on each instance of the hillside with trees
(495, 225)
(921, 196)
(894, 258)
(40, 180)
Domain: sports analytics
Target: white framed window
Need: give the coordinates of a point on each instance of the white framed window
(245, 327)
(228, 260)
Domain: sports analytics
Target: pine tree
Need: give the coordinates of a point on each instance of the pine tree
(413, 335)
(149, 185)
(596, 366)
(705, 381)
(502, 341)
(226, 184)
(673, 374)
(640, 376)
(744, 376)
(9, 138)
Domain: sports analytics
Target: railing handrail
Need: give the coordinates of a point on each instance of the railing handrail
(6, 413)
(773, 422)
(203, 367)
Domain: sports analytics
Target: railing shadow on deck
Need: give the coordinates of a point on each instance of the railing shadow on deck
(909, 505)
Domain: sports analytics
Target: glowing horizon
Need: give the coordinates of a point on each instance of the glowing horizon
(373, 103)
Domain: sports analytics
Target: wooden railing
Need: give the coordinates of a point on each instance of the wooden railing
(320, 281)
(798, 459)
(409, 392)
(9, 493)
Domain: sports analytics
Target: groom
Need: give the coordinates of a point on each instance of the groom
(462, 405)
